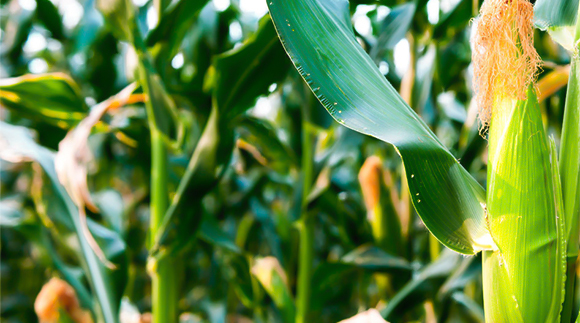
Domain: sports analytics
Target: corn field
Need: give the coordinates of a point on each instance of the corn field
(292, 161)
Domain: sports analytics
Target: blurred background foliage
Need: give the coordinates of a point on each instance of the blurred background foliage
(272, 154)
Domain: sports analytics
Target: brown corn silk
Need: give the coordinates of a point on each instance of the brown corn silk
(504, 59)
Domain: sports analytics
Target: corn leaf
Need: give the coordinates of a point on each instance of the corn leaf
(236, 85)
(318, 37)
(59, 104)
(17, 145)
(570, 157)
(457, 15)
(175, 22)
(555, 13)
(424, 285)
(11, 216)
(119, 15)
(48, 14)
(473, 309)
(557, 17)
(272, 277)
(570, 178)
(393, 29)
(375, 260)
(524, 278)
(231, 71)
(263, 136)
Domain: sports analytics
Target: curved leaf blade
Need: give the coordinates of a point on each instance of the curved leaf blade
(569, 175)
(244, 73)
(16, 144)
(60, 104)
(559, 18)
(318, 37)
(375, 259)
(555, 13)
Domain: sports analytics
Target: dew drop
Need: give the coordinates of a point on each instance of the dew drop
(412, 175)
(418, 201)
(335, 103)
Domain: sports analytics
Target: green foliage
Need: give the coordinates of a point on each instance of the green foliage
(222, 166)
(354, 92)
(62, 106)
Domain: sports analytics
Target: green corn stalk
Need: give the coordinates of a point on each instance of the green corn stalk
(163, 124)
(527, 222)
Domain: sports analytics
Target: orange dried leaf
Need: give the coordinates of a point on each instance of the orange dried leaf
(369, 178)
(57, 295)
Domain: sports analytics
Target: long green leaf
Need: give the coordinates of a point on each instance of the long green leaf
(273, 278)
(174, 23)
(263, 136)
(375, 260)
(17, 144)
(393, 29)
(35, 232)
(53, 98)
(235, 88)
(558, 17)
(422, 286)
(318, 37)
(570, 176)
(474, 310)
(555, 13)
(119, 15)
(246, 72)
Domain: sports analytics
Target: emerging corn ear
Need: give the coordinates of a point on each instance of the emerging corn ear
(524, 277)
(380, 203)
(504, 59)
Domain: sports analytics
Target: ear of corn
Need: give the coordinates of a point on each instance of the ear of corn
(525, 275)
(382, 214)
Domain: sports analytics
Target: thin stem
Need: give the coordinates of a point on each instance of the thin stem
(165, 271)
(164, 291)
(306, 228)
(434, 247)
(305, 270)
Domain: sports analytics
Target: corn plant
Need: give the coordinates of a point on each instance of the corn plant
(526, 224)
(173, 222)
(150, 188)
